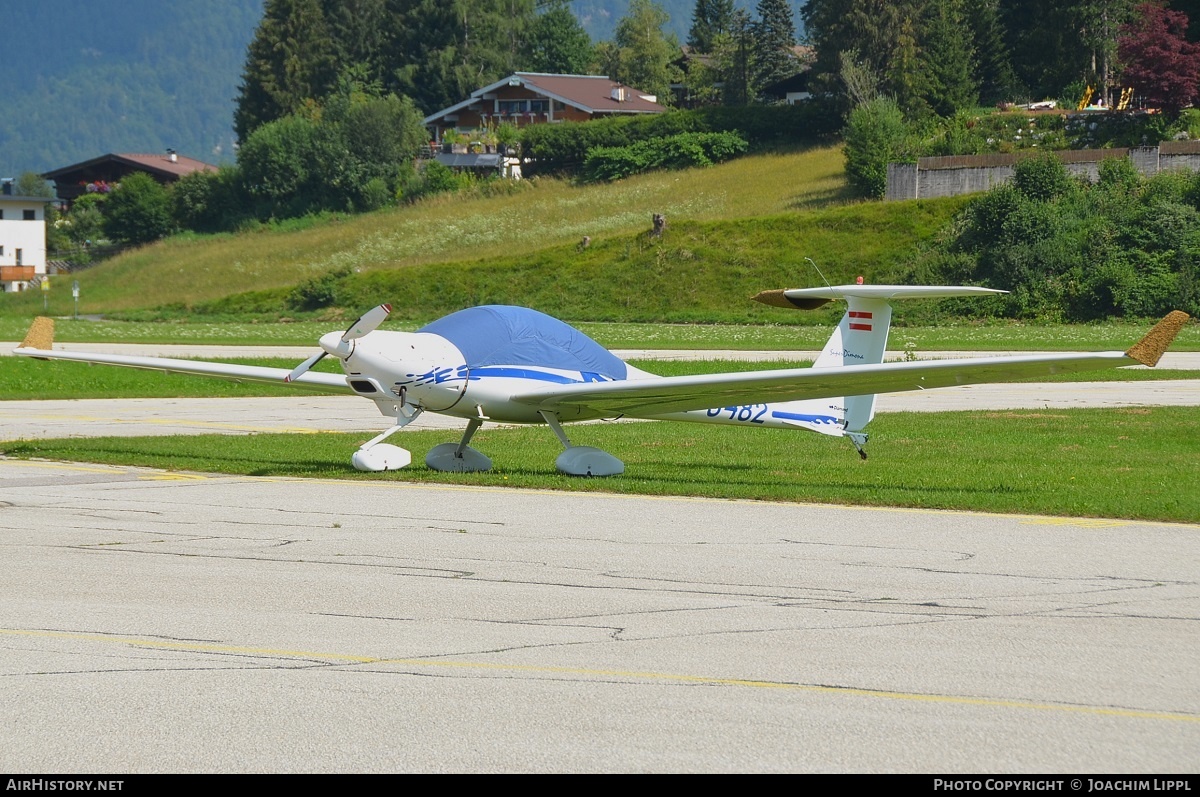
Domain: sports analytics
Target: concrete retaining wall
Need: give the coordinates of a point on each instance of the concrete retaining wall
(966, 174)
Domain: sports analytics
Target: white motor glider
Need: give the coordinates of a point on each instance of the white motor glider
(516, 365)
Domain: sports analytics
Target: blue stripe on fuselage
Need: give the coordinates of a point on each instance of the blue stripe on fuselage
(540, 376)
(795, 416)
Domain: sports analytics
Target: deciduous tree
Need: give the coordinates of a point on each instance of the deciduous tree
(139, 211)
(644, 55)
(1161, 64)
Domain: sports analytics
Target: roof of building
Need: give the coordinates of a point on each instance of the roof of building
(469, 160)
(161, 164)
(26, 200)
(595, 94)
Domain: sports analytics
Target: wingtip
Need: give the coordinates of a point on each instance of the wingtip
(40, 334)
(1149, 350)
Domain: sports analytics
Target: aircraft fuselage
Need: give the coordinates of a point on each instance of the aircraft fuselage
(427, 371)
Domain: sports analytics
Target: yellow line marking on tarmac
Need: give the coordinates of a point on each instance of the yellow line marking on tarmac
(1086, 523)
(142, 474)
(236, 427)
(62, 466)
(197, 647)
(193, 477)
(232, 426)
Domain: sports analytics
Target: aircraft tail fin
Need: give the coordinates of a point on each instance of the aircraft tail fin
(861, 336)
(40, 334)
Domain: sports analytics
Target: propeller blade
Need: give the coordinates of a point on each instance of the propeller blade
(368, 322)
(304, 366)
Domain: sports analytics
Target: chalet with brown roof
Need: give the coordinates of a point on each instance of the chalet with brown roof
(532, 98)
(98, 174)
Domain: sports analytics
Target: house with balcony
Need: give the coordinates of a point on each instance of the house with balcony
(526, 98)
(22, 238)
(100, 174)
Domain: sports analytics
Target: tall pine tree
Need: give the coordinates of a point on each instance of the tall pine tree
(446, 50)
(949, 59)
(993, 65)
(358, 31)
(289, 62)
(774, 38)
(1047, 51)
(710, 19)
(557, 43)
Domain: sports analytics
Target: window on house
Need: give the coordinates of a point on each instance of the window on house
(19, 258)
(539, 106)
(512, 106)
(1, 214)
(30, 215)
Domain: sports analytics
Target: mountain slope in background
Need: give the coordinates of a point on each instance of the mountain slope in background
(81, 78)
(599, 17)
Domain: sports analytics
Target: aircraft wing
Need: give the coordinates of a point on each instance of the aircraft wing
(660, 395)
(319, 382)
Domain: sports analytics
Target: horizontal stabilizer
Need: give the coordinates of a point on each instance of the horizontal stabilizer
(779, 298)
(812, 298)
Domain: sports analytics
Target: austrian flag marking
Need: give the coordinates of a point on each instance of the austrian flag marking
(860, 320)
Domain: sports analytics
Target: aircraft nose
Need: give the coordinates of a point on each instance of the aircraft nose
(333, 344)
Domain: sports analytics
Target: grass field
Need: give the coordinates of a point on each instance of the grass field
(961, 336)
(25, 379)
(453, 228)
(1116, 463)
(733, 230)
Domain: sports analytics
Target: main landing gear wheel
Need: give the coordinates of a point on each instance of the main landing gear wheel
(588, 461)
(453, 458)
(459, 457)
(581, 460)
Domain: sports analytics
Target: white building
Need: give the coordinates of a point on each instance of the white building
(22, 238)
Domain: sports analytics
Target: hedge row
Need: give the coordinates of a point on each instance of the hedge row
(563, 148)
(673, 152)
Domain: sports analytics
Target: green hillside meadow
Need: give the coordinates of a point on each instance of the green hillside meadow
(733, 230)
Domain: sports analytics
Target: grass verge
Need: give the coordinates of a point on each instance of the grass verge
(24, 379)
(997, 336)
(1113, 463)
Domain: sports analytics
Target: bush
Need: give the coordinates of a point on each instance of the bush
(208, 201)
(673, 152)
(375, 194)
(330, 162)
(431, 178)
(1041, 177)
(875, 136)
(84, 223)
(319, 291)
(563, 148)
(138, 212)
(1126, 246)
